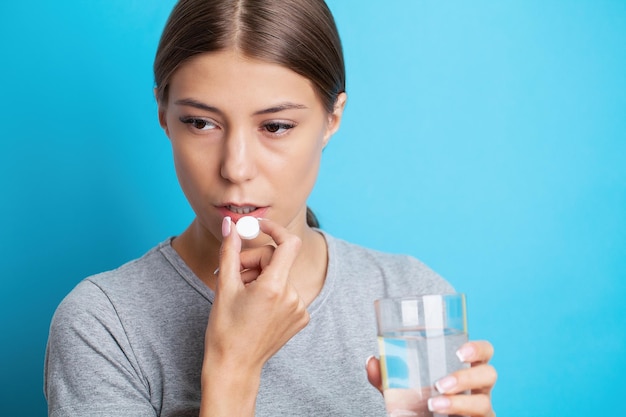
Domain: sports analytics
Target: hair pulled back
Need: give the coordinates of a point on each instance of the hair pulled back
(297, 34)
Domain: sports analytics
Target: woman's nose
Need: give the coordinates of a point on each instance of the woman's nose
(238, 159)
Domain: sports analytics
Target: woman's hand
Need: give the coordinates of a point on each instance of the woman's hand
(479, 379)
(254, 314)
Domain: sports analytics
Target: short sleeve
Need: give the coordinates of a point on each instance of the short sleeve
(90, 368)
(407, 275)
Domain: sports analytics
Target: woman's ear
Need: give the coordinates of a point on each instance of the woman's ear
(161, 113)
(334, 118)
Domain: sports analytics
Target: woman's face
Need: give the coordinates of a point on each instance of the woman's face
(247, 138)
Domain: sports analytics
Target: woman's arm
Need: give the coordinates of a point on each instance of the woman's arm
(91, 368)
(253, 316)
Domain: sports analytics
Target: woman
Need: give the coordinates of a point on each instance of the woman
(249, 93)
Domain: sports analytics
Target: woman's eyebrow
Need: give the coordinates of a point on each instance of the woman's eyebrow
(280, 107)
(198, 105)
(274, 109)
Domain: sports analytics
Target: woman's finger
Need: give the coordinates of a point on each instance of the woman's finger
(250, 275)
(287, 248)
(478, 405)
(477, 378)
(372, 367)
(476, 351)
(256, 258)
(230, 265)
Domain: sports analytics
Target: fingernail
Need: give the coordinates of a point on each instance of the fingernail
(440, 403)
(226, 224)
(445, 384)
(369, 358)
(465, 353)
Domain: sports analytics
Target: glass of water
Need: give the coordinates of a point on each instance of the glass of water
(418, 337)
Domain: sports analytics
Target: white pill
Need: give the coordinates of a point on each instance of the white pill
(248, 227)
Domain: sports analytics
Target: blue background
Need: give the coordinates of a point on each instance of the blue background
(487, 138)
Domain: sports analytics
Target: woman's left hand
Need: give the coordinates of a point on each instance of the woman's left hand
(479, 380)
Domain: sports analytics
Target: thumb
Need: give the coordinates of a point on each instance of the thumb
(230, 262)
(372, 366)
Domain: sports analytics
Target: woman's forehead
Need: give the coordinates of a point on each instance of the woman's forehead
(229, 73)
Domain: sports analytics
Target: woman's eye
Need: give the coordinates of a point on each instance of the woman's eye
(199, 124)
(278, 128)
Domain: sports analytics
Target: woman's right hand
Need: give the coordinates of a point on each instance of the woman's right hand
(254, 314)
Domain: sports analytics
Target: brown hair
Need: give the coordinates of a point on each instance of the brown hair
(298, 34)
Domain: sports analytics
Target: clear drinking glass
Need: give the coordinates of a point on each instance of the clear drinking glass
(418, 337)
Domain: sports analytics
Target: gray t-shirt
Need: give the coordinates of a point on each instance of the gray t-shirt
(129, 342)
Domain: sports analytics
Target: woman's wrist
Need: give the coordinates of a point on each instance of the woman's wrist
(228, 388)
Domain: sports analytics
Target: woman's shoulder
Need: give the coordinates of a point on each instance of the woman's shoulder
(139, 268)
(359, 257)
(126, 281)
(399, 274)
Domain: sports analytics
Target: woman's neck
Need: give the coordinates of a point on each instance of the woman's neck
(309, 270)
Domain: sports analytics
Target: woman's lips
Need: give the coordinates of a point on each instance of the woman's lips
(241, 209)
(236, 212)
